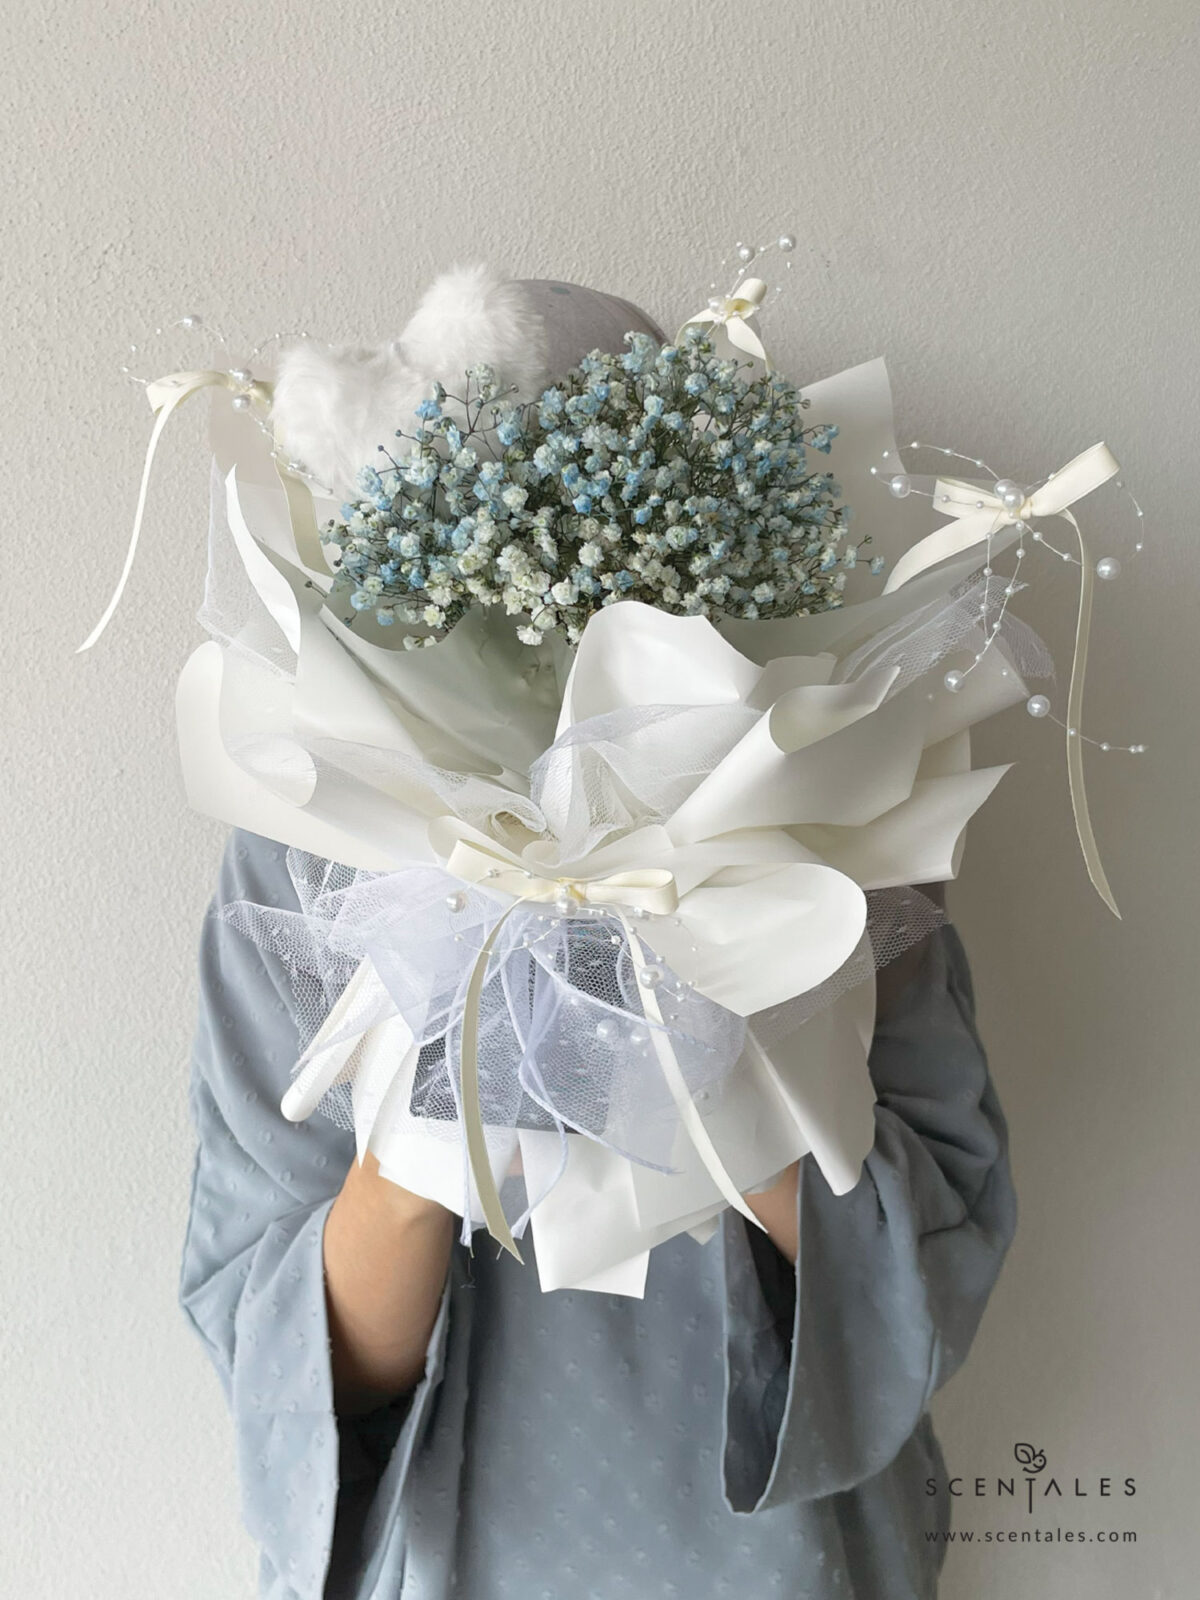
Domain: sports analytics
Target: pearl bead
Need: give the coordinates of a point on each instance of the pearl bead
(786, 242)
(1137, 749)
(606, 1030)
(456, 901)
(639, 1035)
(639, 912)
(953, 680)
(1009, 493)
(1037, 705)
(745, 253)
(241, 375)
(190, 322)
(716, 305)
(241, 402)
(650, 976)
(563, 902)
(900, 485)
(1104, 745)
(1107, 567)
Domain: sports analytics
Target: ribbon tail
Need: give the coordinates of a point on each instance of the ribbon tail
(692, 1121)
(472, 1111)
(743, 337)
(1079, 805)
(165, 410)
(692, 322)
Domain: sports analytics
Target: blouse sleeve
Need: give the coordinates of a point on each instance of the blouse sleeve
(252, 1281)
(830, 1365)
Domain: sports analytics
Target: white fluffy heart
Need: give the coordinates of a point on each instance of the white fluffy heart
(335, 405)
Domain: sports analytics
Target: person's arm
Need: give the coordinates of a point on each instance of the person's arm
(320, 1484)
(832, 1360)
(776, 1207)
(386, 1255)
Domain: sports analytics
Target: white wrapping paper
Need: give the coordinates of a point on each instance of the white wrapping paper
(846, 770)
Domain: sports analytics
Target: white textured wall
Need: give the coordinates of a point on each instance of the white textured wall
(1000, 198)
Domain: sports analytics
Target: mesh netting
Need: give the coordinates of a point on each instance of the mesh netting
(963, 617)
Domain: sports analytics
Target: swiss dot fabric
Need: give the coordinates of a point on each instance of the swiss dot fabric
(749, 1429)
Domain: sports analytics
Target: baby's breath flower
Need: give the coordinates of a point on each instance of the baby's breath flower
(664, 475)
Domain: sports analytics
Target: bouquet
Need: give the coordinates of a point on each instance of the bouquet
(603, 805)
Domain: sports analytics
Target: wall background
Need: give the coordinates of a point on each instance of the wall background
(999, 197)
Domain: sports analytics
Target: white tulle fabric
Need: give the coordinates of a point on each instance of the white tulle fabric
(794, 779)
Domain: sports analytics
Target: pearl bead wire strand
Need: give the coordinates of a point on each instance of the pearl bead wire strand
(1107, 568)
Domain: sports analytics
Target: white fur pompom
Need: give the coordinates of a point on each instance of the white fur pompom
(334, 407)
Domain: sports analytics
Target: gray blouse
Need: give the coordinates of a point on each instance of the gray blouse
(749, 1429)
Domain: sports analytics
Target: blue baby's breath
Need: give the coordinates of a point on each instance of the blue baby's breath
(665, 474)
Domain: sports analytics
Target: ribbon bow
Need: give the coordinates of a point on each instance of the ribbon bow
(166, 395)
(733, 312)
(650, 889)
(978, 515)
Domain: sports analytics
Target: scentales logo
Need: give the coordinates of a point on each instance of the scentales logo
(1030, 1486)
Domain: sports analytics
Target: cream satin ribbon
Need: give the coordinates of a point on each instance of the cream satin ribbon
(166, 395)
(733, 313)
(979, 514)
(651, 889)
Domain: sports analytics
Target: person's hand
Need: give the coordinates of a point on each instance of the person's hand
(373, 1193)
(387, 1252)
(776, 1209)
